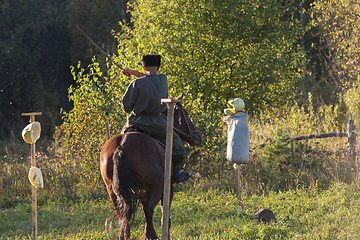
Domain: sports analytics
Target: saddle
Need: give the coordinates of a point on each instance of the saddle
(139, 129)
(135, 128)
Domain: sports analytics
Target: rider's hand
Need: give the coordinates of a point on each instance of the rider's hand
(126, 72)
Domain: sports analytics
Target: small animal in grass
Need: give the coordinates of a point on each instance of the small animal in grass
(264, 215)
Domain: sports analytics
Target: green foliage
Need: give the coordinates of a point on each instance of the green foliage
(212, 51)
(62, 179)
(217, 50)
(351, 99)
(209, 52)
(85, 125)
(281, 166)
(289, 178)
(71, 164)
(288, 165)
(337, 53)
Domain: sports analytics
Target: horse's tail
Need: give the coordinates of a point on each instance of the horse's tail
(125, 187)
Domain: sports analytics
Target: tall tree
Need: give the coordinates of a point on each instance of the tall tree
(220, 49)
(99, 19)
(213, 50)
(337, 25)
(39, 41)
(34, 62)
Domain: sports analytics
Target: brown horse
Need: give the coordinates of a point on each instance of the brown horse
(132, 167)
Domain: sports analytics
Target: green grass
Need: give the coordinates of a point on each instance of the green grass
(204, 214)
(77, 220)
(294, 180)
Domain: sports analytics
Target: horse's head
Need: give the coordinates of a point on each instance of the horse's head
(184, 127)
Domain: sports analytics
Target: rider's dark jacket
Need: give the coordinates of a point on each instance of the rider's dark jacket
(142, 100)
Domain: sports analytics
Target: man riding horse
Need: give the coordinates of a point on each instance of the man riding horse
(142, 100)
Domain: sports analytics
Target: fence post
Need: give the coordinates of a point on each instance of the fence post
(167, 173)
(351, 149)
(107, 125)
(33, 189)
(237, 169)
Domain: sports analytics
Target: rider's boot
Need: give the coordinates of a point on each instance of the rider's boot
(180, 176)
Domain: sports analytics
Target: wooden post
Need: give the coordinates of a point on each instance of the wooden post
(167, 174)
(33, 189)
(351, 149)
(237, 168)
(107, 125)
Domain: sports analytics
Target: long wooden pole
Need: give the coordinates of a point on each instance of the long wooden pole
(238, 183)
(351, 149)
(33, 189)
(107, 125)
(167, 174)
(323, 135)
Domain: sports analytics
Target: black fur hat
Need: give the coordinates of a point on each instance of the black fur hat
(151, 60)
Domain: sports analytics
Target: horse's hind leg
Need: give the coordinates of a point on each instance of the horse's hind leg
(149, 203)
(124, 230)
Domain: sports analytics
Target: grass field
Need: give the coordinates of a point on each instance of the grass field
(314, 194)
(199, 213)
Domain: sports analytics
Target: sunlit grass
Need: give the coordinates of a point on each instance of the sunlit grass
(208, 214)
(313, 195)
